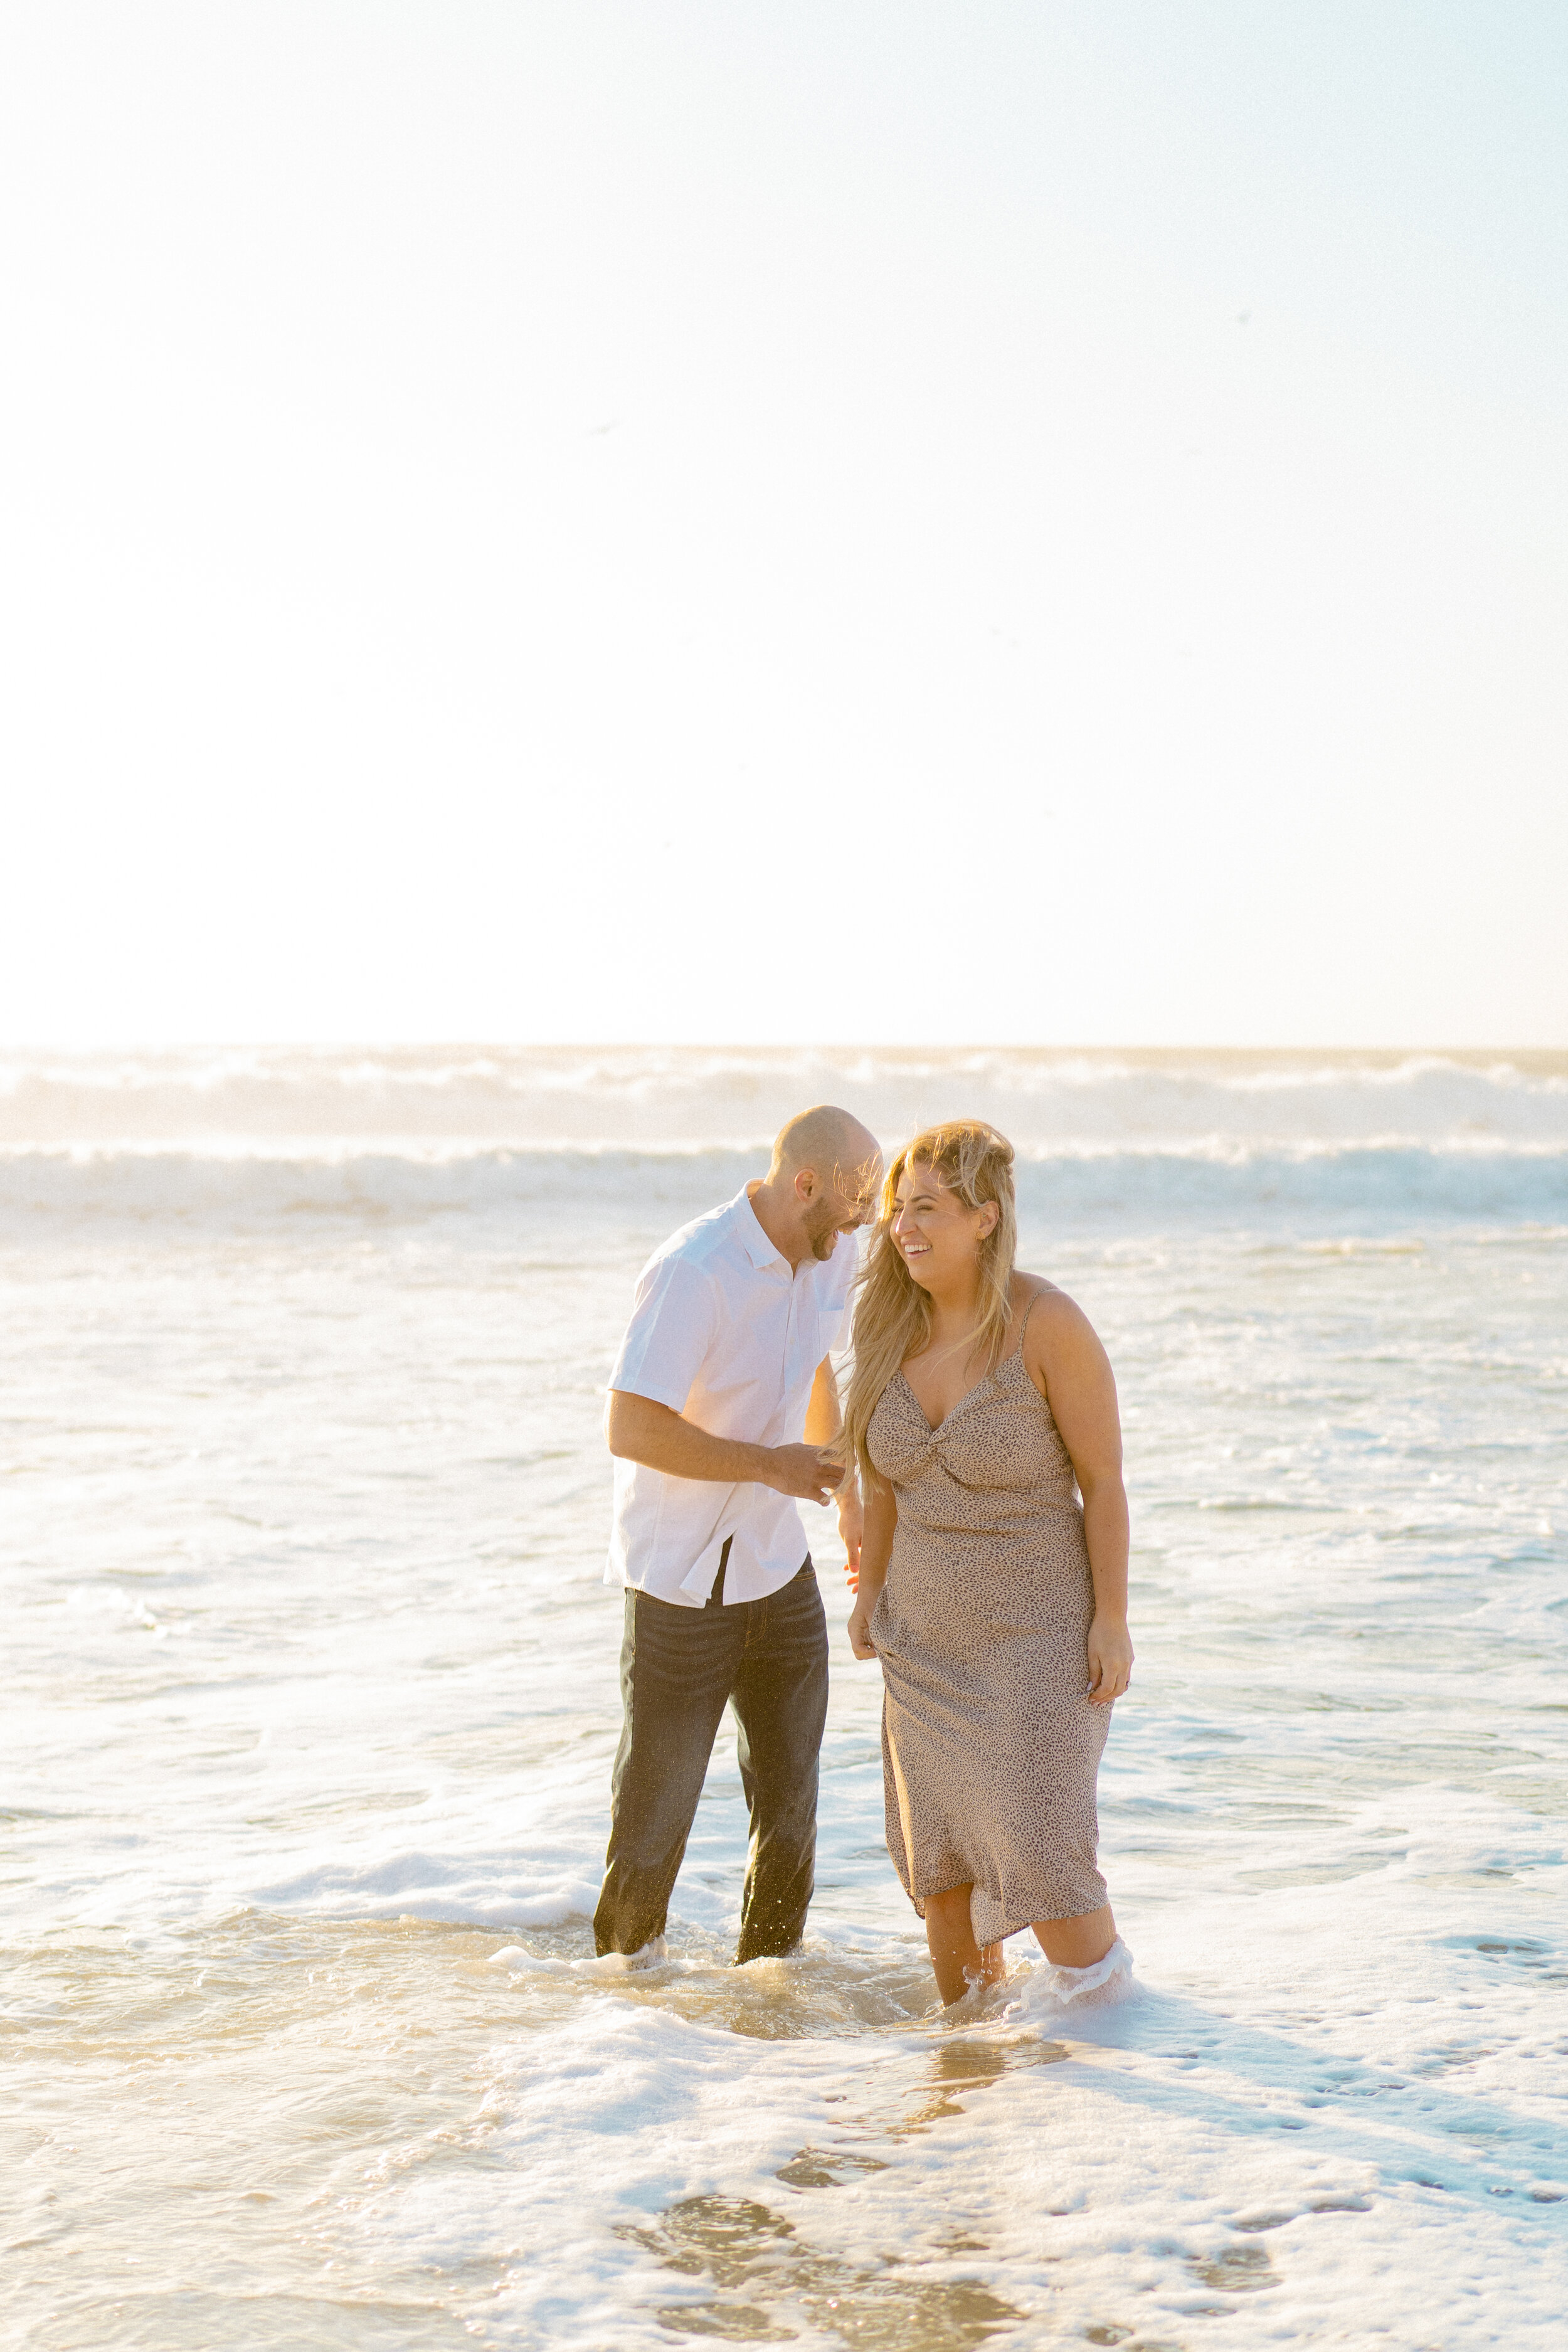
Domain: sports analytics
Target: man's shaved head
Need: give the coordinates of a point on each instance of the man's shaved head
(821, 1183)
(831, 1143)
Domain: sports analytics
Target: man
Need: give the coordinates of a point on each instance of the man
(722, 1402)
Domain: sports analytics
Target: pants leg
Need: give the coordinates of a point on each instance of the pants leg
(678, 1666)
(780, 1699)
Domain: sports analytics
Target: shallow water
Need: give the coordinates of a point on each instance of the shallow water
(312, 1697)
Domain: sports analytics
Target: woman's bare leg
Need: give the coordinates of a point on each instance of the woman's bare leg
(1068, 1943)
(958, 1961)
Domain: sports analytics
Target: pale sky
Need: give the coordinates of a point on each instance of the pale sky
(773, 519)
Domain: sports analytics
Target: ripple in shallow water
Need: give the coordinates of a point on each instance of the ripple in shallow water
(766, 2270)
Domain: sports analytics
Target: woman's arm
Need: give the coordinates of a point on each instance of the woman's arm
(1065, 1360)
(823, 1422)
(876, 1551)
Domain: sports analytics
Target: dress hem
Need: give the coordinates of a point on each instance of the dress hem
(1050, 1919)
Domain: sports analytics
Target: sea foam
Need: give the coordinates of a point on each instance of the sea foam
(313, 1704)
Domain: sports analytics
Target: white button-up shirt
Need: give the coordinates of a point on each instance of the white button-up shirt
(725, 1331)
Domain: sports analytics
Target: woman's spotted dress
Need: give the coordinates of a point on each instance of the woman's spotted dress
(990, 1744)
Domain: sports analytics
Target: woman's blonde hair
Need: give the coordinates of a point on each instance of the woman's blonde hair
(892, 1313)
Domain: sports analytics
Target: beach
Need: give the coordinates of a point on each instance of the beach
(312, 1700)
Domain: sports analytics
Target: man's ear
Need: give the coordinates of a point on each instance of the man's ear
(804, 1184)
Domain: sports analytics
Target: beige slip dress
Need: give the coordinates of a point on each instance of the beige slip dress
(990, 1744)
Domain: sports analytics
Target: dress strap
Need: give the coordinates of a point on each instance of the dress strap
(1023, 1326)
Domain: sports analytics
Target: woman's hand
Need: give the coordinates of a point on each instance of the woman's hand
(1109, 1659)
(860, 1640)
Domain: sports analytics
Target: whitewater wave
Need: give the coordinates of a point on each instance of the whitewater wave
(644, 1097)
(1395, 1183)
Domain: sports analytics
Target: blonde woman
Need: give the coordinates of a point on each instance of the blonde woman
(980, 1409)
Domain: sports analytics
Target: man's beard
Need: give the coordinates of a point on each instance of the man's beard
(821, 1236)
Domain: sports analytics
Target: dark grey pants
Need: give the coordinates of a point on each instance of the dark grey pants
(679, 1667)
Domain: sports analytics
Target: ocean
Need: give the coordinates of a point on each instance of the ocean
(312, 1698)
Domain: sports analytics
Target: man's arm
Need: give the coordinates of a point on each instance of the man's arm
(638, 1430)
(823, 1422)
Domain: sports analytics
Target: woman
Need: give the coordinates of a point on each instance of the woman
(997, 1603)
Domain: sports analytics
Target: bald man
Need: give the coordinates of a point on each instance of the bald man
(721, 1402)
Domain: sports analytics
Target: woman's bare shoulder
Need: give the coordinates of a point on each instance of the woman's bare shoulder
(1055, 1319)
(1035, 1295)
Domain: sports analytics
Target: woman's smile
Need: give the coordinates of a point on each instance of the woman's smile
(929, 1222)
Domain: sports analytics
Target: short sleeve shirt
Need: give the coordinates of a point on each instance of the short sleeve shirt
(725, 1331)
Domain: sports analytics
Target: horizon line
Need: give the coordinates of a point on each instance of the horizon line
(500, 1044)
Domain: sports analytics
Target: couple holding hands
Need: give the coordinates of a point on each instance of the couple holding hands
(976, 1462)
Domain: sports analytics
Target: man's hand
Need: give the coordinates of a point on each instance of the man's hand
(639, 1429)
(1109, 1660)
(851, 1528)
(807, 1471)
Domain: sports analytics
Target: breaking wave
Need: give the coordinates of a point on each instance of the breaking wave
(1214, 1182)
(647, 1097)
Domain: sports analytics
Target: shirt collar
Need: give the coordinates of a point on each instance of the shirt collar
(754, 1241)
